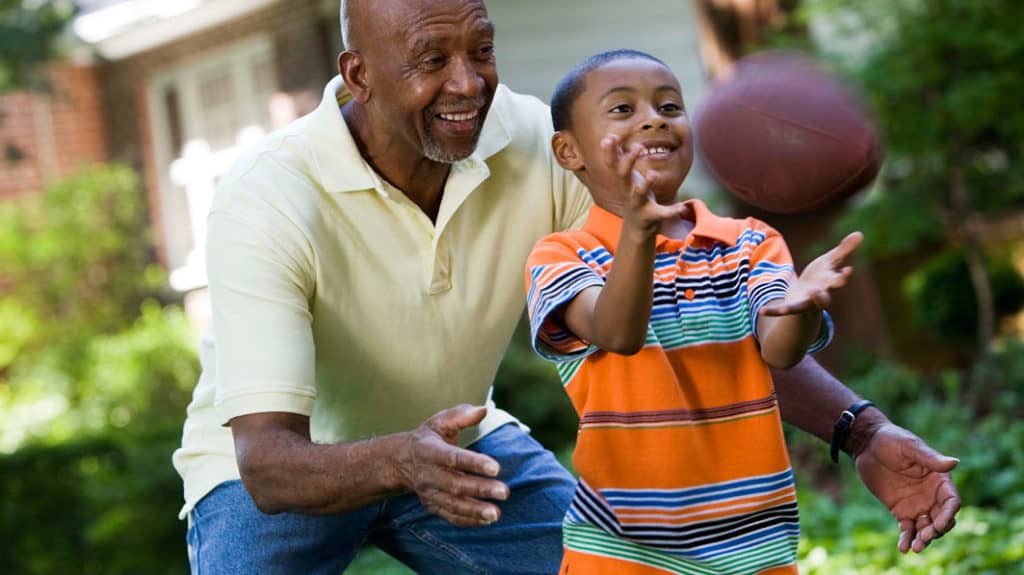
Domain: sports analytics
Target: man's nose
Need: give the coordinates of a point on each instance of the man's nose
(464, 79)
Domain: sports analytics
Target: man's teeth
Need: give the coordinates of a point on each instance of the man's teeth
(461, 117)
(656, 150)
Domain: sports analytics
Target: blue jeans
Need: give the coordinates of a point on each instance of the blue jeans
(229, 536)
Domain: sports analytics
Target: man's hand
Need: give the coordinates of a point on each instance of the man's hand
(913, 481)
(450, 481)
(812, 289)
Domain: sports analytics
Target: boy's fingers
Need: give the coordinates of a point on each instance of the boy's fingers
(822, 299)
(668, 212)
(846, 247)
(641, 184)
(628, 160)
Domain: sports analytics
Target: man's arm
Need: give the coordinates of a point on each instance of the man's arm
(910, 478)
(283, 470)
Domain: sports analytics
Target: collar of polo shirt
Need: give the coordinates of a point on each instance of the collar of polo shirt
(333, 139)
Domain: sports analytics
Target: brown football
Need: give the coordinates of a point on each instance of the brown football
(785, 135)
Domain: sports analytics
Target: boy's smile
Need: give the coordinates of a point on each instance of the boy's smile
(636, 102)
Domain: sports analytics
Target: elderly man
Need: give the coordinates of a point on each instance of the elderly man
(365, 269)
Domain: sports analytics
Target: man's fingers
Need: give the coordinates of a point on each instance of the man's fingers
(458, 459)
(463, 485)
(460, 510)
(459, 498)
(450, 422)
(907, 532)
(945, 518)
(930, 459)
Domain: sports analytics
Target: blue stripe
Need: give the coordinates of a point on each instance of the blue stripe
(704, 489)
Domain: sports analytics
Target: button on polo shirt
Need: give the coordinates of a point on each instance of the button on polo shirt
(335, 296)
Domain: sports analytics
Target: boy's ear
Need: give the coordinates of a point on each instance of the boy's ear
(566, 151)
(353, 71)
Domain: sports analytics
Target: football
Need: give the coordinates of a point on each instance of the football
(785, 135)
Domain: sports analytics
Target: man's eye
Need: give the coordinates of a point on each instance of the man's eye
(434, 61)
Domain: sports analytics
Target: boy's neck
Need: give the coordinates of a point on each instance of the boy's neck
(677, 228)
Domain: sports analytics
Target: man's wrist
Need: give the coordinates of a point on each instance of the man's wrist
(396, 448)
(867, 423)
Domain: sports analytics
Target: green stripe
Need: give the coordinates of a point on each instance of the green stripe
(568, 369)
(712, 327)
(589, 539)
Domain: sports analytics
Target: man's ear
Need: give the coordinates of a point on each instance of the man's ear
(353, 71)
(566, 151)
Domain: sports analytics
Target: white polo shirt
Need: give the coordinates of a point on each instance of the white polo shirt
(334, 296)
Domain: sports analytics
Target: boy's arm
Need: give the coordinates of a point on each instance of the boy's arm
(788, 328)
(615, 317)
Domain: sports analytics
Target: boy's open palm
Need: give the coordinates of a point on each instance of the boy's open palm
(640, 208)
(812, 290)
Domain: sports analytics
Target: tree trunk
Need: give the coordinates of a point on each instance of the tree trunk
(731, 28)
(976, 266)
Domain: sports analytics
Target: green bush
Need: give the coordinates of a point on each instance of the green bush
(95, 375)
(942, 300)
(84, 345)
(976, 416)
(105, 504)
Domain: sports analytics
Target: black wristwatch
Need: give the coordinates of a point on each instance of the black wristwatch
(843, 425)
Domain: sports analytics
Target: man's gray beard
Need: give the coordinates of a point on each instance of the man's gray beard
(434, 151)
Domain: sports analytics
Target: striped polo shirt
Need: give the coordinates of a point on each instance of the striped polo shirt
(682, 461)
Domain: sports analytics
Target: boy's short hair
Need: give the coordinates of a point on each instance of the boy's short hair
(571, 85)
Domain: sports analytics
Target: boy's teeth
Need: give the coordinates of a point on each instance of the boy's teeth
(462, 117)
(658, 150)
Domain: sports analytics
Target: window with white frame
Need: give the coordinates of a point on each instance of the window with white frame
(202, 112)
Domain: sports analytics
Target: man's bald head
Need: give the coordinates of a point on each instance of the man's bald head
(347, 6)
(356, 15)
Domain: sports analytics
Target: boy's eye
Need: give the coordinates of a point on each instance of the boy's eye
(671, 107)
(622, 109)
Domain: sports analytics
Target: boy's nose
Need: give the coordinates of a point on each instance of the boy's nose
(653, 124)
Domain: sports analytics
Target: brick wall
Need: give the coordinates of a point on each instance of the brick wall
(47, 135)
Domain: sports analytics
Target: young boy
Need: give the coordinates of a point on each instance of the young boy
(663, 319)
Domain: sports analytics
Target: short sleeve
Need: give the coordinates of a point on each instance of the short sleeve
(771, 272)
(555, 275)
(260, 287)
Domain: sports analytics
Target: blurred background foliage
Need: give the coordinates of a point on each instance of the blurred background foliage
(30, 34)
(97, 358)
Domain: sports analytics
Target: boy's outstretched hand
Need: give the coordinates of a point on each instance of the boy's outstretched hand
(812, 288)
